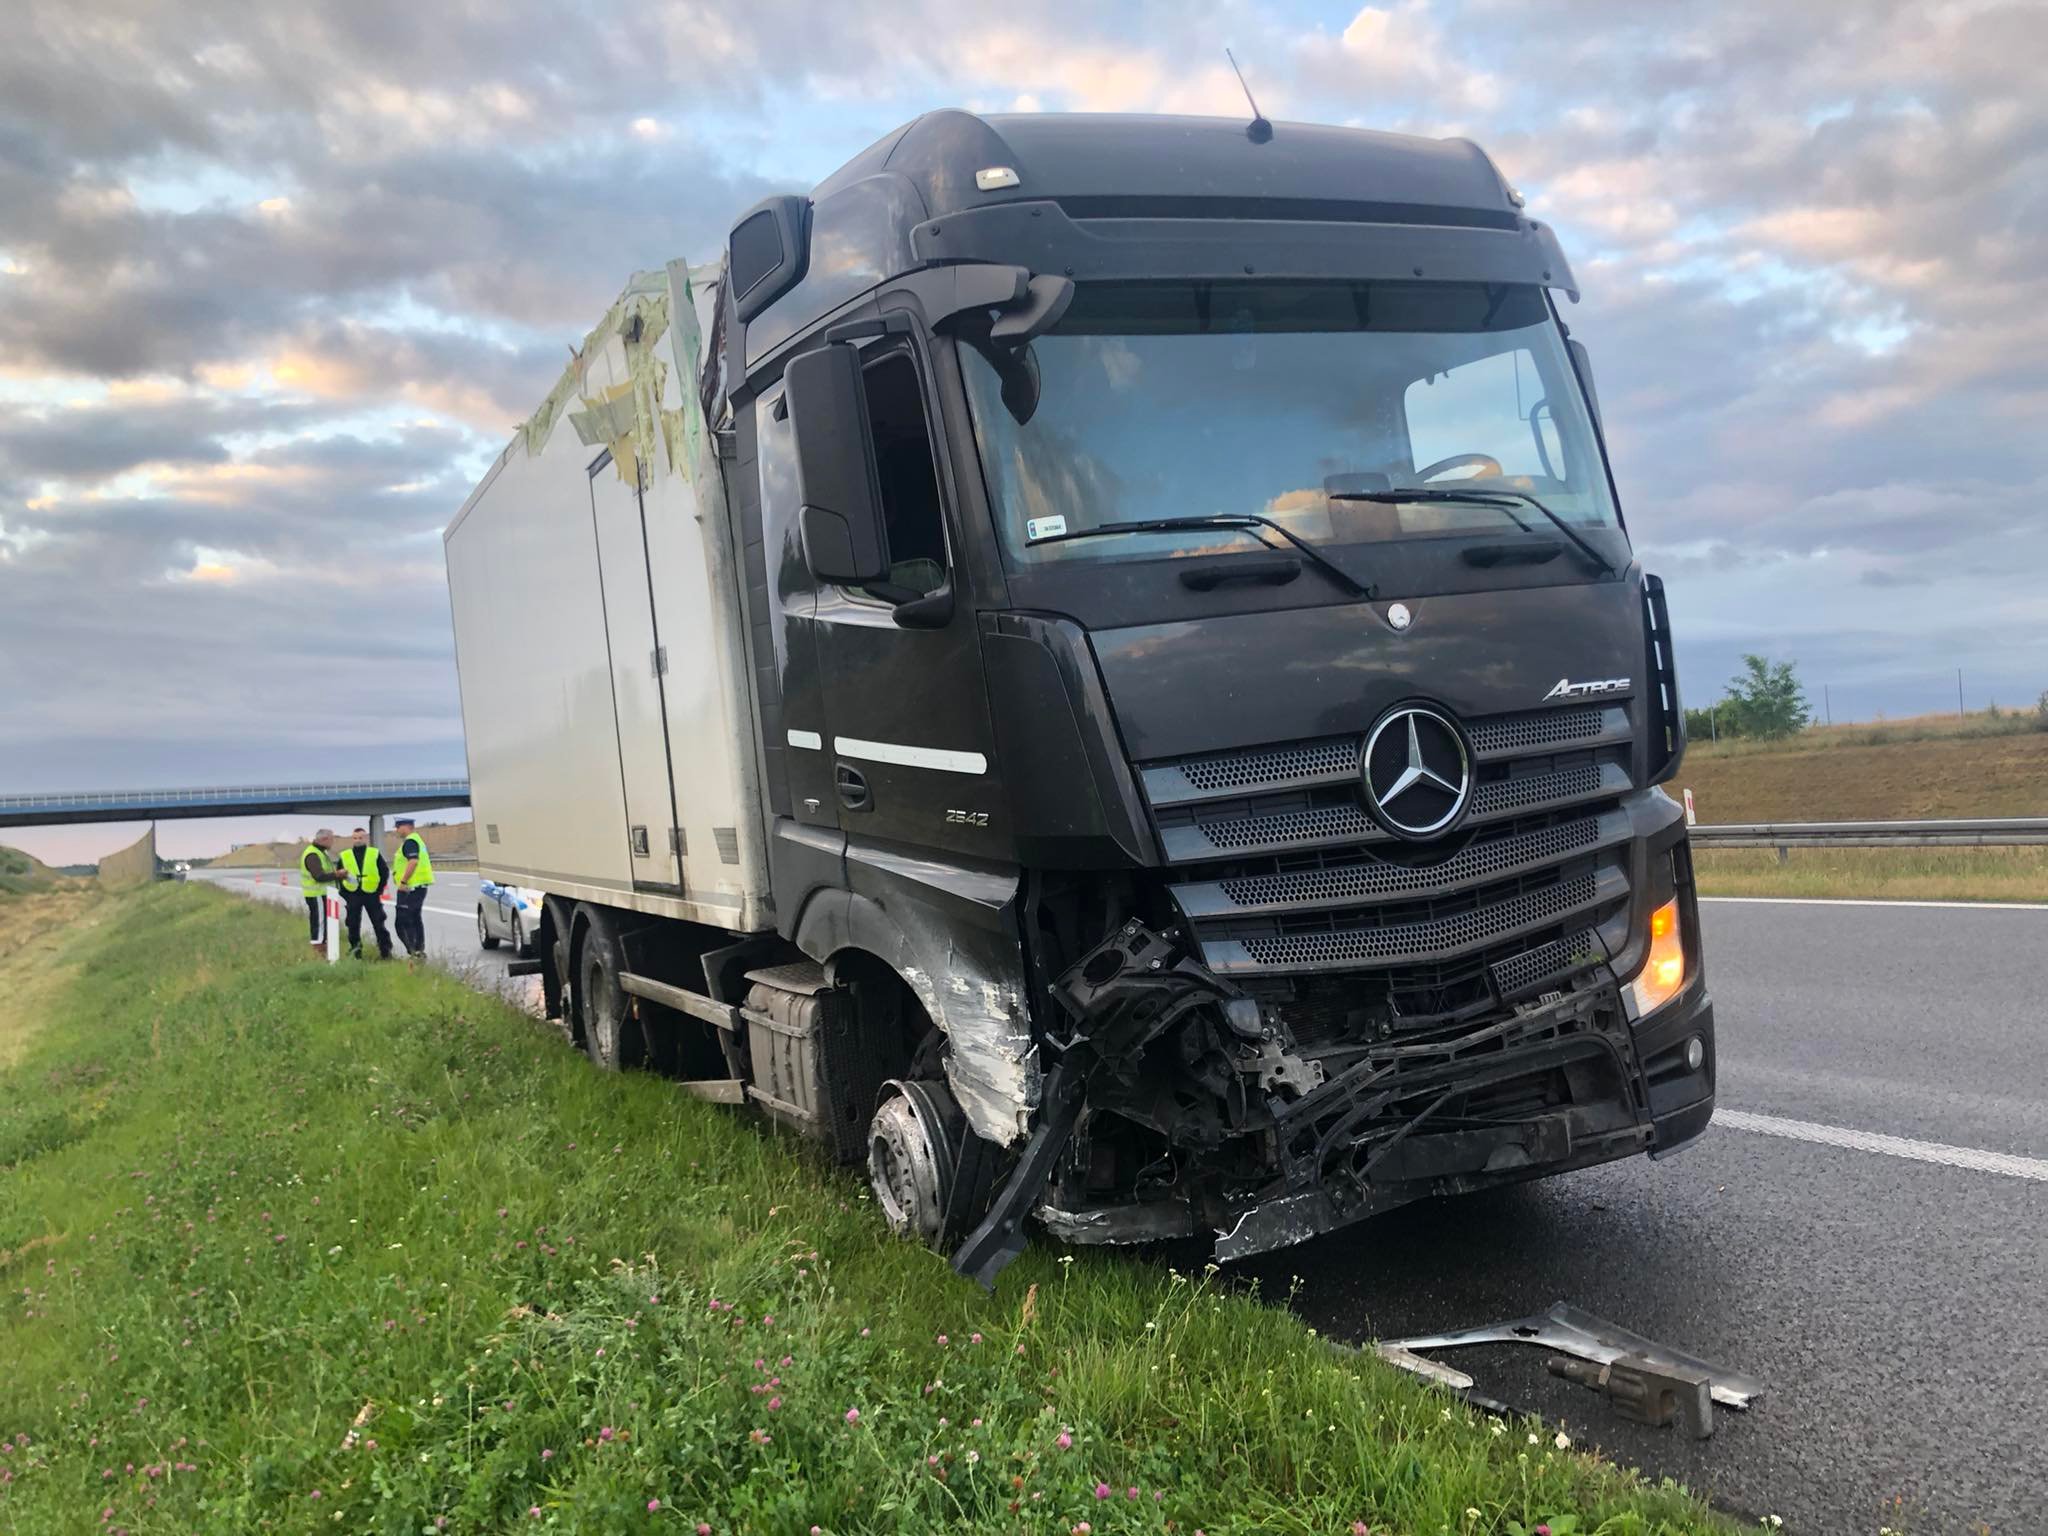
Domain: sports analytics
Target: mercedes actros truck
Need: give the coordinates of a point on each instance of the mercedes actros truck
(1094, 663)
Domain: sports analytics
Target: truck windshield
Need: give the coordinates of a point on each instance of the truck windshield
(1292, 401)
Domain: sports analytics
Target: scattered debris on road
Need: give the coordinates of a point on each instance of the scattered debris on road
(1645, 1392)
(1647, 1381)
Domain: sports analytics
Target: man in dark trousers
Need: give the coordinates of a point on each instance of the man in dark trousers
(316, 873)
(364, 875)
(414, 869)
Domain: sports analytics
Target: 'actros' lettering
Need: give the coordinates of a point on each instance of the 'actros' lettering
(1567, 689)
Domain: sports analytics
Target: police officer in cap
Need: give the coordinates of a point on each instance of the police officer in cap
(364, 875)
(415, 874)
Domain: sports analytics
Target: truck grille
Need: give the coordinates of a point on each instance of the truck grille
(1285, 873)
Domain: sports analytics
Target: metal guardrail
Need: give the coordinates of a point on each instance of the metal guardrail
(1995, 832)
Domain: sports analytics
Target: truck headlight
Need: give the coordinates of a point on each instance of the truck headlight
(1663, 971)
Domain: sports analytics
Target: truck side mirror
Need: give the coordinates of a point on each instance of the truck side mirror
(768, 252)
(839, 492)
(1582, 364)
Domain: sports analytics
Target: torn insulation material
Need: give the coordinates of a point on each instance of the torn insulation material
(617, 379)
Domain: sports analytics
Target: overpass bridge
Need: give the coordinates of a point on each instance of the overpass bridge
(374, 798)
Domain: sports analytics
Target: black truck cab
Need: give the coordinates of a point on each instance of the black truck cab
(1200, 662)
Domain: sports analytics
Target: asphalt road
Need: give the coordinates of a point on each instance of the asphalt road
(1887, 1281)
(1895, 1309)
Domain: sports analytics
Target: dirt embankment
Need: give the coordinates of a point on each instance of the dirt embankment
(452, 841)
(21, 873)
(1870, 777)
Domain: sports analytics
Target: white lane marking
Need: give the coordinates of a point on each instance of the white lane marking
(448, 911)
(1873, 901)
(941, 758)
(810, 740)
(1890, 1146)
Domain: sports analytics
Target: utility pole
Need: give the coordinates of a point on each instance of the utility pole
(1827, 703)
(1714, 721)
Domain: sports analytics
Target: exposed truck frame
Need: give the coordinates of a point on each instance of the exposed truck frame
(1285, 852)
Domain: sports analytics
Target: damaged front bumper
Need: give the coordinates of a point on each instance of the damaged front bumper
(1398, 1137)
(1179, 1106)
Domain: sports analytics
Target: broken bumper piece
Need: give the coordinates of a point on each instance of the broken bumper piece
(1649, 1382)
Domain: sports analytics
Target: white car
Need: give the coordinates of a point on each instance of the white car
(507, 914)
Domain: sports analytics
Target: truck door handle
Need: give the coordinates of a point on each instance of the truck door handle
(852, 786)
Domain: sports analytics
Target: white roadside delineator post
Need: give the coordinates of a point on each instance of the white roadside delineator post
(332, 908)
(1690, 819)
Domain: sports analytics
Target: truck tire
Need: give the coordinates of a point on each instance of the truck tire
(930, 1174)
(611, 1033)
(558, 990)
(483, 932)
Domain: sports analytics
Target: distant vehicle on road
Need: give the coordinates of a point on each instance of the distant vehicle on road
(507, 914)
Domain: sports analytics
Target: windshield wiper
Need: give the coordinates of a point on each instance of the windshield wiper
(1503, 500)
(1244, 520)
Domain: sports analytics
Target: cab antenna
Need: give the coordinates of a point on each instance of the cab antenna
(1258, 130)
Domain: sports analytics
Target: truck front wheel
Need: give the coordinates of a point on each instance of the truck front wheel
(611, 1034)
(929, 1172)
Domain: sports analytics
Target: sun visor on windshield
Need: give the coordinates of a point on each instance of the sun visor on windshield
(1045, 238)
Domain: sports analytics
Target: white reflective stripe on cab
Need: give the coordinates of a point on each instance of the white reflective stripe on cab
(910, 757)
(809, 739)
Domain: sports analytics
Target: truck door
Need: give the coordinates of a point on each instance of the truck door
(910, 742)
(638, 665)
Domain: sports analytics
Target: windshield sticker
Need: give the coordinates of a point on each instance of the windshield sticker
(1036, 528)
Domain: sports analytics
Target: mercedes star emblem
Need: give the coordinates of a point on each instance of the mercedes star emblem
(1399, 616)
(1417, 772)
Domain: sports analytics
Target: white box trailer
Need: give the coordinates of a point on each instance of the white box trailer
(598, 634)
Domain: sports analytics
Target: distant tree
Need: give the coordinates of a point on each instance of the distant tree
(1708, 724)
(1766, 701)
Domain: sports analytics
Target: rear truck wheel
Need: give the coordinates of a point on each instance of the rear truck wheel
(929, 1172)
(557, 981)
(611, 1034)
(483, 930)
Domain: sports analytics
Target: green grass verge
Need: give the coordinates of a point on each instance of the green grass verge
(1888, 874)
(296, 1248)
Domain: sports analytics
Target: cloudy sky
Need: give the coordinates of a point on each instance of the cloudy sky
(275, 281)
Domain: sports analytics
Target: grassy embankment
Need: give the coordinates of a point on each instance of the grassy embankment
(1930, 767)
(21, 873)
(293, 1247)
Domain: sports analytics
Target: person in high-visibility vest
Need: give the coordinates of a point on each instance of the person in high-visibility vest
(364, 875)
(316, 869)
(415, 873)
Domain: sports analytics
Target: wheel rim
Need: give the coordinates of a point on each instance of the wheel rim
(910, 1173)
(483, 932)
(518, 943)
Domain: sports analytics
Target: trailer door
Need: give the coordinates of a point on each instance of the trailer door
(638, 666)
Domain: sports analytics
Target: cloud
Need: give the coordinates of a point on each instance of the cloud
(272, 295)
